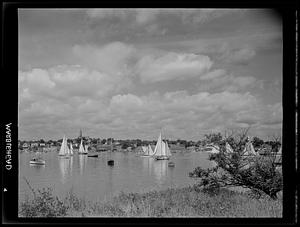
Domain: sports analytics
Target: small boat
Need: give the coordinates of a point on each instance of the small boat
(37, 161)
(162, 158)
(211, 148)
(93, 155)
(110, 162)
(171, 164)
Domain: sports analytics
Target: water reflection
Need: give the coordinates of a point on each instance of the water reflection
(109, 185)
(82, 163)
(160, 170)
(65, 168)
(171, 174)
(147, 165)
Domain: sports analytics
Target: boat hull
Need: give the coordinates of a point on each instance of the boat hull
(162, 158)
(37, 162)
(110, 162)
(93, 156)
(64, 156)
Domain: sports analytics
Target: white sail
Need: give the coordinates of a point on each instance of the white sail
(86, 149)
(81, 148)
(249, 149)
(168, 152)
(145, 150)
(151, 152)
(163, 150)
(62, 150)
(67, 150)
(71, 149)
(158, 148)
(279, 151)
(228, 148)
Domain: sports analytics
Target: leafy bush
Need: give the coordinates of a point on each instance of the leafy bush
(258, 173)
(44, 204)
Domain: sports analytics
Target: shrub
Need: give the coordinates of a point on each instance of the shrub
(235, 169)
(44, 204)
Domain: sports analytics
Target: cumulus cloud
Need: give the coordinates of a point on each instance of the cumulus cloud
(213, 74)
(111, 58)
(217, 81)
(177, 110)
(262, 115)
(65, 82)
(239, 56)
(172, 66)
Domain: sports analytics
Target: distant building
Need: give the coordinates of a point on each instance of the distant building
(42, 144)
(25, 145)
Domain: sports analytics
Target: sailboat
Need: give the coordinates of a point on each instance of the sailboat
(81, 149)
(249, 150)
(148, 152)
(37, 160)
(228, 148)
(64, 150)
(161, 151)
(93, 155)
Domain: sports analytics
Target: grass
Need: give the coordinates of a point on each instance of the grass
(179, 202)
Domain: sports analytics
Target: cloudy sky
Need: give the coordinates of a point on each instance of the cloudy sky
(129, 73)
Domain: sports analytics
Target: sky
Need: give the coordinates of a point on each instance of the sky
(132, 73)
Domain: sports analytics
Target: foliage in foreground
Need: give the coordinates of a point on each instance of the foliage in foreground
(44, 204)
(258, 173)
(183, 202)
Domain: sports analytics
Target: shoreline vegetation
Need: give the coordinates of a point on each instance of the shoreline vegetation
(173, 202)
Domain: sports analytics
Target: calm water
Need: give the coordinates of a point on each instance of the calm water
(94, 180)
